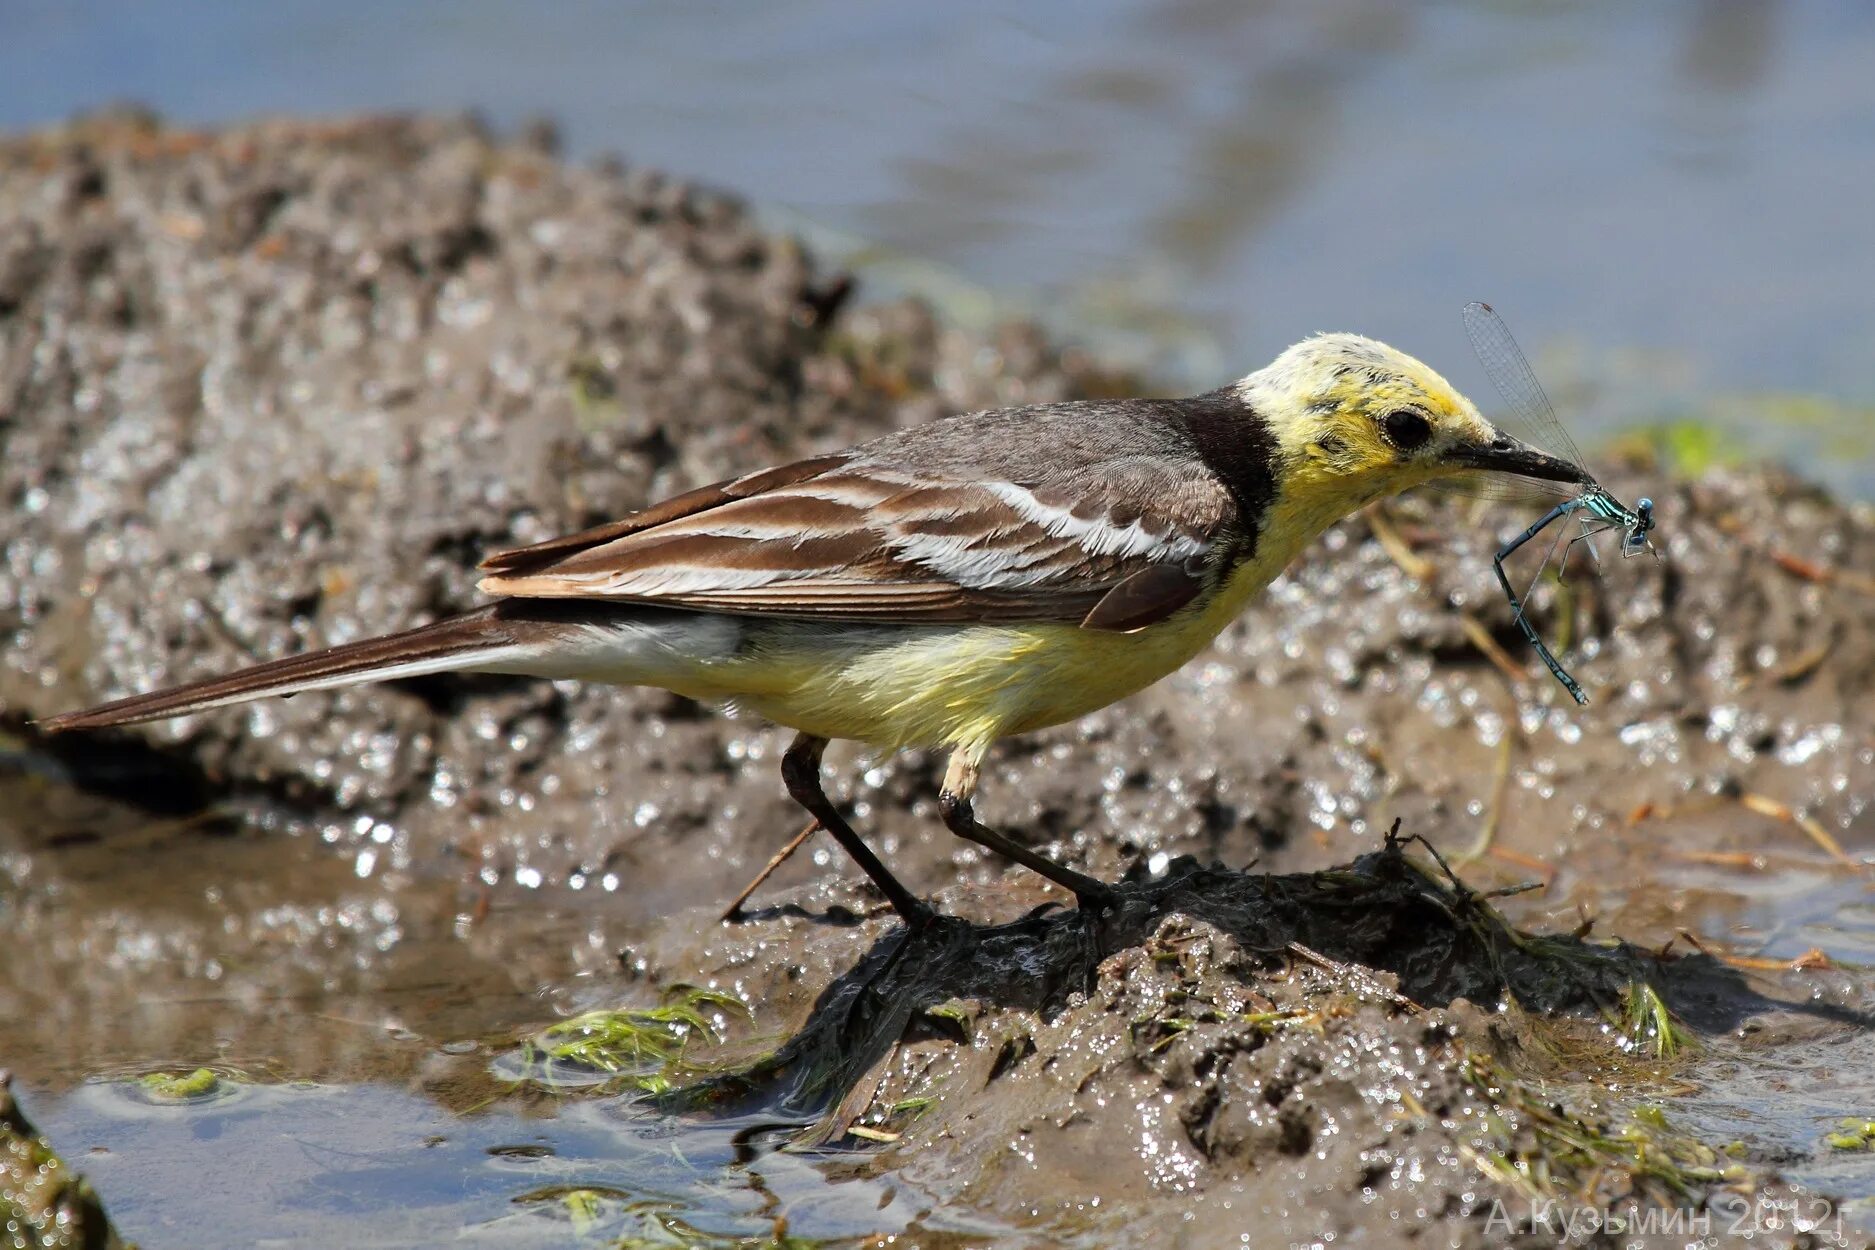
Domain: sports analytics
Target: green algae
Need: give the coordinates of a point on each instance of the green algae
(646, 1049)
(1542, 1142)
(616, 1219)
(1853, 1133)
(1649, 1026)
(166, 1087)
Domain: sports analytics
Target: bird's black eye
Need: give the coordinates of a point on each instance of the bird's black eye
(1406, 429)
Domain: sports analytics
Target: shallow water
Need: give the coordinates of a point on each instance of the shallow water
(375, 1165)
(1661, 196)
(360, 1048)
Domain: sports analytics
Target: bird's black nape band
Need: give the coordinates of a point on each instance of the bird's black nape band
(1236, 443)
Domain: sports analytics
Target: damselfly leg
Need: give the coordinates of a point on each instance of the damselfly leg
(1544, 564)
(1585, 539)
(1517, 605)
(1559, 565)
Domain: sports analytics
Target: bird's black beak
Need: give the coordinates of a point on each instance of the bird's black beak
(1504, 454)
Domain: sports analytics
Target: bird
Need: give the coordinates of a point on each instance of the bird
(948, 584)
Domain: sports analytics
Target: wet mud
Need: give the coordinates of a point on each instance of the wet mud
(279, 386)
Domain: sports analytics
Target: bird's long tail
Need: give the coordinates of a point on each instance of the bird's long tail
(488, 640)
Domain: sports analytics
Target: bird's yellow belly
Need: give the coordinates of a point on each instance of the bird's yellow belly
(946, 686)
(956, 685)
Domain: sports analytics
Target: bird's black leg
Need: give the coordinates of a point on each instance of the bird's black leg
(800, 769)
(955, 802)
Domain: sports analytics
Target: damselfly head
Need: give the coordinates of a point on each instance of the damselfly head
(1635, 540)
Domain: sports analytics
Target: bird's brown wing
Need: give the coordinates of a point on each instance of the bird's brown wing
(1115, 543)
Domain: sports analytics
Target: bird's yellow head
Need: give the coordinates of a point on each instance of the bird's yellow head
(1355, 420)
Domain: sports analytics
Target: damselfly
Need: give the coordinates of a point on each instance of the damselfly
(1595, 509)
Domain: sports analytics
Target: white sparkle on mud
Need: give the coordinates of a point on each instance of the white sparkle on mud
(1491, 728)
(1652, 734)
(528, 877)
(1826, 737)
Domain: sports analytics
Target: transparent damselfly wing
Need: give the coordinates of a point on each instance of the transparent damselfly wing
(1501, 488)
(1528, 413)
(1544, 571)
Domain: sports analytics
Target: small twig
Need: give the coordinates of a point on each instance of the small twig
(1803, 665)
(871, 1134)
(1480, 637)
(1395, 545)
(1360, 978)
(1822, 574)
(1691, 939)
(1765, 805)
(1797, 566)
(1394, 842)
(1669, 811)
(1754, 860)
(1494, 814)
(1810, 961)
(733, 913)
(1647, 811)
(1544, 869)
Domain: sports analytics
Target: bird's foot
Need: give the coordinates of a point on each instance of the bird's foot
(1095, 896)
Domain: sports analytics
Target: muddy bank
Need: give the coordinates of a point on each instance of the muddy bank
(285, 385)
(1355, 1056)
(274, 387)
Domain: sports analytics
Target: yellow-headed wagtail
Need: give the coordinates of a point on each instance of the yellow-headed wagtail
(946, 585)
